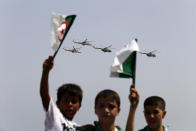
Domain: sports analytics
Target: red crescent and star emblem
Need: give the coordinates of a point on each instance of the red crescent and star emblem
(62, 29)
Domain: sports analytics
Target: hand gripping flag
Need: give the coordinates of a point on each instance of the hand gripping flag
(125, 61)
(59, 28)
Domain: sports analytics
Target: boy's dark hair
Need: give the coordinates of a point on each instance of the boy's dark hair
(155, 101)
(106, 93)
(71, 89)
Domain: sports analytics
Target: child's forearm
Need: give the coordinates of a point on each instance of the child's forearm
(44, 89)
(130, 120)
(134, 100)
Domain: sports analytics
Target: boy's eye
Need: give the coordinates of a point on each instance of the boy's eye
(147, 112)
(154, 112)
(111, 107)
(74, 101)
(101, 106)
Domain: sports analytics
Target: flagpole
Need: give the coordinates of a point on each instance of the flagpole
(134, 73)
(57, 49)
(55, 53)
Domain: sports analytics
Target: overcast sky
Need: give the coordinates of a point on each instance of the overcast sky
(168, 26)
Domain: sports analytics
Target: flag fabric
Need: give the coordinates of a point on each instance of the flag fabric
(125, 61)
(59, 27)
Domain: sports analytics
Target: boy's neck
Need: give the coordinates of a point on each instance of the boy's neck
(158, 129)
(107, 126)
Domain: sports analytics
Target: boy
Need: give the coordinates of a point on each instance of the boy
(69, 97)
(107, 107)
(154, 112)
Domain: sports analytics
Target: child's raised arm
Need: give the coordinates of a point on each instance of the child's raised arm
(134, 100)
(44, 85)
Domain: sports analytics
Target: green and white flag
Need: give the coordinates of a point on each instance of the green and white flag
(124, 61)
(59, 28)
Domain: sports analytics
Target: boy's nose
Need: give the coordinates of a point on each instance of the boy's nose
(152, 115)
(70, 103)
(106, 109)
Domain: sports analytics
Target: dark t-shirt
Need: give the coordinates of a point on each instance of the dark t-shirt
(146, 128)
(94, 127)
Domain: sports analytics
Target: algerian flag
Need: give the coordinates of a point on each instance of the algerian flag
(59, 28)
(125, 61)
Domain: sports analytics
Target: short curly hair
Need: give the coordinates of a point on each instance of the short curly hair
(106, 93)
(155, 101)
(71, 89)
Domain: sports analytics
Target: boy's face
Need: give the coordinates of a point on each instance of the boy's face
(69, 105)
(106, 109)
(154, 116)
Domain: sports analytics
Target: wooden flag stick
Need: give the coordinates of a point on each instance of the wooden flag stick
(57, 50)
(134, 72)
(134, 75)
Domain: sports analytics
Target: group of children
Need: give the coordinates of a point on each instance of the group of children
(59, 115)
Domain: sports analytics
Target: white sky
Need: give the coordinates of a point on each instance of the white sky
(168, 26)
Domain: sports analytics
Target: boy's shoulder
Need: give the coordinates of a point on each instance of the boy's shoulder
(146, 128)
(95, 127)
(85, 128)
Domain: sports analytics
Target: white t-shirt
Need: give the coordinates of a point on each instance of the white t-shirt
(55, 121)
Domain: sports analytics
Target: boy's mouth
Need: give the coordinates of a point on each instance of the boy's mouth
(69, 110)
(106, 115)
(152, 122)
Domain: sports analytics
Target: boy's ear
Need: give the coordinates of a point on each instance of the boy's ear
(118, 110)
(95, 110)
(80, 105)
(164, 113)
(57, 103)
